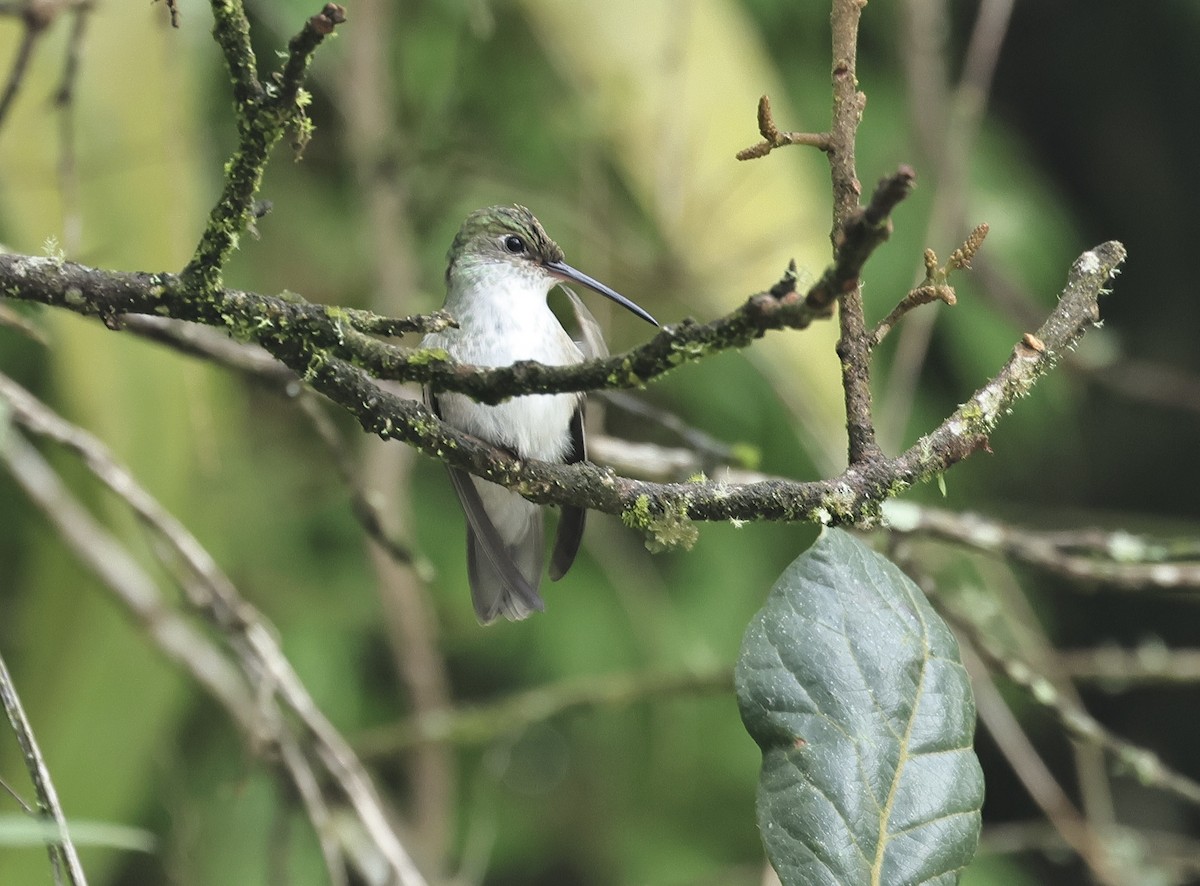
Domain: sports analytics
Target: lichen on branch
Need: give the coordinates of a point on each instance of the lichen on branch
(264, 112)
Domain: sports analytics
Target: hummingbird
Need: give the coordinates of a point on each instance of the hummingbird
(500, 270)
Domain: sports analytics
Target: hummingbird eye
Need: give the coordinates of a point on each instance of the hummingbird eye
(514, 244)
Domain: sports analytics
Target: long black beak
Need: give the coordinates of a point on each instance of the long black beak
(564, 271)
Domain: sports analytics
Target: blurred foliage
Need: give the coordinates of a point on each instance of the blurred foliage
(617, 125)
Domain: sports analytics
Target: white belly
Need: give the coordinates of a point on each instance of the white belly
(533, 426)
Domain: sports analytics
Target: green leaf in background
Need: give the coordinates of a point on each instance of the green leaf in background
(852, 686)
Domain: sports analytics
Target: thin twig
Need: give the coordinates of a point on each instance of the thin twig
(365, 510)
(936, 286)
(301, 49)
(257, 365)
(485, 723)
(956, 120)
(172, 11)
(247, 634)
(1150, 664)
(130, 584)
(1032, 770)
(20, 801)
(378, 147)
(1113, 559)
(39, 774)
(16, 74)
(64, 100)
(1147, 855)
(263, 115)
(704, 447)
(309, 789)
(1146, 766)
(921, 295)
(648, 461)
(65, 93)
(1132, 377)
(773, 138)
(210, 344)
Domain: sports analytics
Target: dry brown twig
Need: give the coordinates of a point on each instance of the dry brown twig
(773, 138)
(936, 285)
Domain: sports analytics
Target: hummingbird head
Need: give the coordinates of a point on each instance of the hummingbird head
(510, 241)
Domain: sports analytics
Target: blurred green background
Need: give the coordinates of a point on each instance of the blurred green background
(617, 124)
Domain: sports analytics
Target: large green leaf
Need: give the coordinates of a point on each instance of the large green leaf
(852, 686)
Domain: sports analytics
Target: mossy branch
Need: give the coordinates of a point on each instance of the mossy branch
(288, 330)
(264, 112)
(303, 335)
(853, 497)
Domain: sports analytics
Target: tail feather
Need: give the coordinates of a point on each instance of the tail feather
(508, 590)
(505, 543)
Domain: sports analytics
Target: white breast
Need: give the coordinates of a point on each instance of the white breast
(498, 327)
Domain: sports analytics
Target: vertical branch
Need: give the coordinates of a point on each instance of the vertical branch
(231, 30)
(40, 775)
(854, 345)
(263, 113)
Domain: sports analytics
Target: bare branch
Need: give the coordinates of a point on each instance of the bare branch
(260, 659)
(481, 724)
(1144, 764)
(303, 336)
(1116, 559)
(39, 774)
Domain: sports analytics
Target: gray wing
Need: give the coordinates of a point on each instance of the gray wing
(592, 342)
(503, 575)
(570, 519)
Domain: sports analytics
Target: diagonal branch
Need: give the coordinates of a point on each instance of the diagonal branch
(303, 335)
(261, 663)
